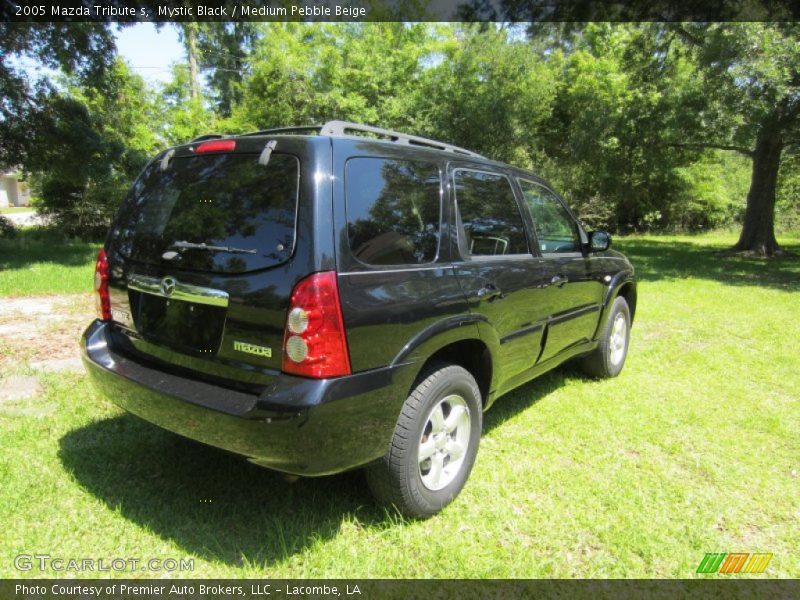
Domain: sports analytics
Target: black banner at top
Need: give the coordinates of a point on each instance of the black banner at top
(398, 10)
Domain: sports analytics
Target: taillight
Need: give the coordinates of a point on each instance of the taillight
(216, 146)
(314, 342)
(102, 299)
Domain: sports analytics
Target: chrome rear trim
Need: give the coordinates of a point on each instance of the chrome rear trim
(172, 289)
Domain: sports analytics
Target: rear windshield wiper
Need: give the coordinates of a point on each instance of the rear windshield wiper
(210, 248)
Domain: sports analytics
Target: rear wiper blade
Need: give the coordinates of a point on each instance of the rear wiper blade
(210, 248)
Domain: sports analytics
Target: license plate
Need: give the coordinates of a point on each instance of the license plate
(121, 316)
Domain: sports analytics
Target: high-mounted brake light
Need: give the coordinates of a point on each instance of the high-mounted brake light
(102, 299)
(314, 343)
(216, 146)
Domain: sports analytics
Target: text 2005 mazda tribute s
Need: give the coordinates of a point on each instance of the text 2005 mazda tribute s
(318, 300)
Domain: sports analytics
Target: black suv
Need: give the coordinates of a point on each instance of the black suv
(321, 299)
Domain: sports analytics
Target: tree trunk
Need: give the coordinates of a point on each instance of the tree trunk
(191, 50)
(758, 231)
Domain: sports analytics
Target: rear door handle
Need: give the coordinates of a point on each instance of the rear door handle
(559, 280)
(490, 292)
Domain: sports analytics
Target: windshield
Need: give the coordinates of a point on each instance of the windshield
(216, 212)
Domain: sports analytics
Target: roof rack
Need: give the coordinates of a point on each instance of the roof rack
(340, 128)
(286, 130)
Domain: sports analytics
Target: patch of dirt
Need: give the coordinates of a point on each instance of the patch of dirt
(43, 329)
(18, 387)
(72, 364)
(24, 219)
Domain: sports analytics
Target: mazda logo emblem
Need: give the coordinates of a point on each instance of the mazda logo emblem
(168, 286)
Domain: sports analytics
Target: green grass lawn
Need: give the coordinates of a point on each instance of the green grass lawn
(8, 210)
(694, 448)
(37, 263)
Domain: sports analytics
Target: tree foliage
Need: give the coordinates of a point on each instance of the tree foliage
(303, 74)
(180, 117)
(648, 126)
(224, 50)
(82, 50)
(90, 142)
(750, 77)
(487, 92)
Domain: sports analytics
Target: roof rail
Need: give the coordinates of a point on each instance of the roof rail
(339, 128)
(286, 130)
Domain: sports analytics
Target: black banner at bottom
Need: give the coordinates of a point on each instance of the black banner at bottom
(367, 589)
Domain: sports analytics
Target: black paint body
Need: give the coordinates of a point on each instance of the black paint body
(506, 318)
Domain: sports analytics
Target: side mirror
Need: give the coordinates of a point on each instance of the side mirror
(599, 241)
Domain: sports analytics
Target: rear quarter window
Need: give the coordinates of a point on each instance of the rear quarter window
(393, 210)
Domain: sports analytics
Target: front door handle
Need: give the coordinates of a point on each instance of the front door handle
(559, 280)
(490, 292)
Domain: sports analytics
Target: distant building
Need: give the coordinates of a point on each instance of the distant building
(13, 191)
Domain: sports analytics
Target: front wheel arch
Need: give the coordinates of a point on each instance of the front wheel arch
(608, 358)
(628, 291)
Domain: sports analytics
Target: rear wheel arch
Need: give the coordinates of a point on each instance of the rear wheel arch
(471, 354)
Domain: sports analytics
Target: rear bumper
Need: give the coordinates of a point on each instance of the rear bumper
(296, 425)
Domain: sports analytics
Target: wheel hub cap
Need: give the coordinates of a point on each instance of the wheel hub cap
(618, 339)
(444, 442)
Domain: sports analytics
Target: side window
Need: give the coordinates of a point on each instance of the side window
(556, 230)
(393, 210)
(489, 213)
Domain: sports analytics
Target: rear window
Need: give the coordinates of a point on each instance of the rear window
(229, 201)
(393, 210)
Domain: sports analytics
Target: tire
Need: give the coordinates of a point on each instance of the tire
(447, 397)
(609, 357)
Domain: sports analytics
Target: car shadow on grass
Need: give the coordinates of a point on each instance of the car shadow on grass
(214, 504)
(524, 397)
(221, 508)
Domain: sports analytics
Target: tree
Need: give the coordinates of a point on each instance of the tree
(188, 34)
(180, 117)
(303, 74)
(745, 95)
(484, 90)
(656, 97)
(224, 50)
(89, 144)
(83, 50)
(601, 144)
(751, 75)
